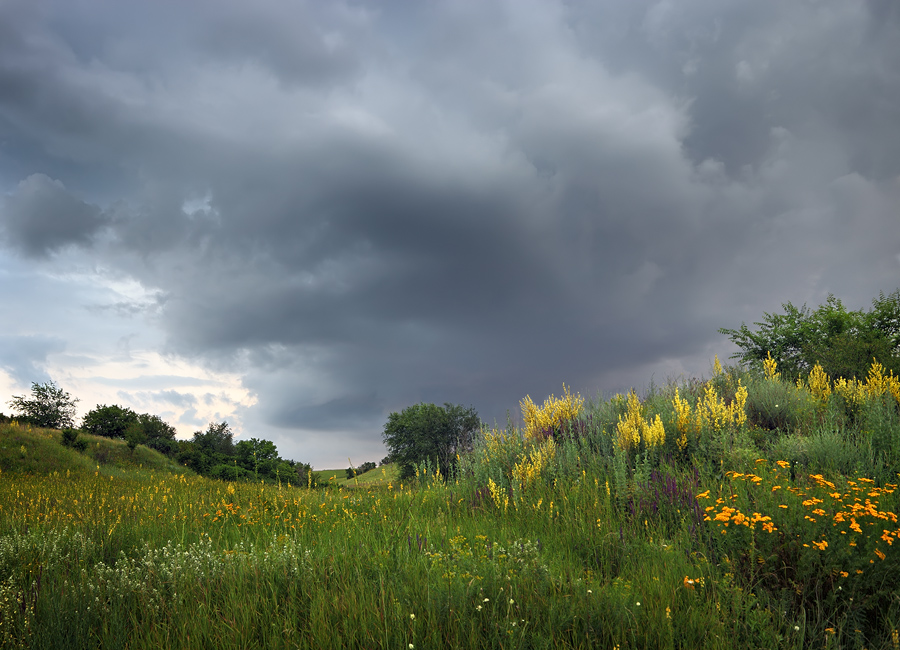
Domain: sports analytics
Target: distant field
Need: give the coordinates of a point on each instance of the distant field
(378, 476)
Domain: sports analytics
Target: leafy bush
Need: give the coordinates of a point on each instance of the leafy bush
(70, 439)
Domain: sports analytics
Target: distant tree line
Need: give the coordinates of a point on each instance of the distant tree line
(211, 453)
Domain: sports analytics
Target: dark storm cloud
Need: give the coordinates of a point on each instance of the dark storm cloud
(360, 209)
(41, 216)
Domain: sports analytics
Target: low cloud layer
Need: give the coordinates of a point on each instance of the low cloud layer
(355, 208)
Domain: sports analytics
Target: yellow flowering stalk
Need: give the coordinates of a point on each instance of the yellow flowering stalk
(633, 428)
(737, 412)
(500, 497)
(712, 410)
(818, 385)
(552, 415)
(770, 366)
(529, 469)
(683, 422)
(878, 384)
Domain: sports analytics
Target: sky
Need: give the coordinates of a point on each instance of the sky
(299, 217)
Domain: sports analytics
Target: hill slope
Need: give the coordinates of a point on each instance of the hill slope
(26, 449)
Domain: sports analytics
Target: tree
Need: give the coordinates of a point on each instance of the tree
(108, 421)
(843, 342)
(134, 435)
(426, 432)
(50, 406)
(159, 435)
(217, 439)
(258, 456)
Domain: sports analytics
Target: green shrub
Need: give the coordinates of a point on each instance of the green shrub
(775, 405)
(70, 439)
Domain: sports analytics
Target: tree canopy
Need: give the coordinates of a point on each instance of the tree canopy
(843, 342)
(429, 433)
(50, 406)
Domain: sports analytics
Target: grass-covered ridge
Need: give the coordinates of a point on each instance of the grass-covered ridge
(28, 449)
(743, 511)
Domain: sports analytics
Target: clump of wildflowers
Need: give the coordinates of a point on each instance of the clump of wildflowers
(551, 417)
(633, 429)
(528, 471)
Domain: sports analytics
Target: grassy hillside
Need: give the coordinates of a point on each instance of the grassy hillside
(26, 449)
(738, 512)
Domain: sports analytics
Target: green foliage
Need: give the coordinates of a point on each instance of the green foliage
(70, 439)
(109, 421)
(158, 434)
(218, 439)
(426, 432)
(842, 342)
(122, 423)
(134, 435)
(50, 406)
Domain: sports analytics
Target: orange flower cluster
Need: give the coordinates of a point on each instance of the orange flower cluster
(853, 511)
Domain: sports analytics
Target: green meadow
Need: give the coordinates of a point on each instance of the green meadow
(739, 511)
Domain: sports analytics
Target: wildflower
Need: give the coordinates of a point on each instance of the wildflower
(590, 592)
(638, 603)
(412, 617)
(511, 601)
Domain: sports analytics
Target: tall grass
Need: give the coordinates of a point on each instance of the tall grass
(736, 526)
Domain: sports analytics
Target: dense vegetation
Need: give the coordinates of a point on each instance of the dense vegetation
(842, 342)
(749, 510)
(211, 453)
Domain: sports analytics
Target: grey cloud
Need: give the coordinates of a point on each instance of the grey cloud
(25, 357)
(150, 382)
(301, 43)
(174, 397)
(40, 216)
(191, 418)
(345, 412)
